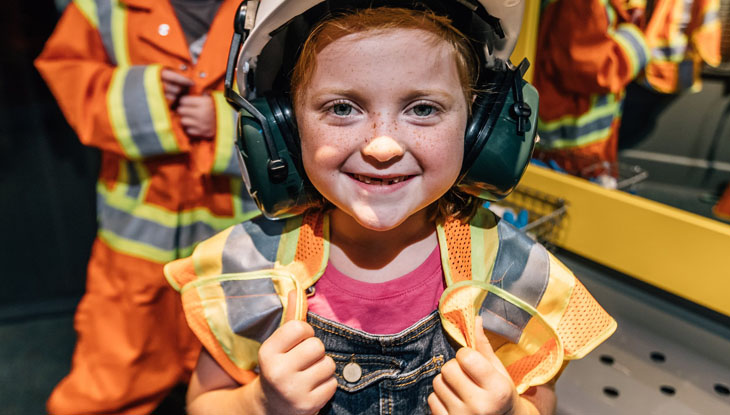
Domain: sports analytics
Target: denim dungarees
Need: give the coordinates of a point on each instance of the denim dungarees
(396, 370)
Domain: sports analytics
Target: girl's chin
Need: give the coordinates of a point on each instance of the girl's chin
(381, 220)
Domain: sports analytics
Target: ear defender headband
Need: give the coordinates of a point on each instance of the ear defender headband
(498, 141)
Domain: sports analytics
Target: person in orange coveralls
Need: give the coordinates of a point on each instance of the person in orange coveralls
(587, 52)
(583, 73)
(142, 81)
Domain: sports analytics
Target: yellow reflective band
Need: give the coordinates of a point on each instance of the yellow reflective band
(119, 33)
(555, 299)
(594, 136)
(632, 42)
(88, 9)
(157, 105)
(117, 199)
(606, 110)
(206, 257)
(484, 238)
(444, 250)
(225, 132)
(610, 13)
(288, 243)
(593, 114)
(117, 114)
(139, 249)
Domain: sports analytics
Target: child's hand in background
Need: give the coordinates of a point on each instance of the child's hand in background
(296, 376)
(197, 115)
(476, 382)
(174, 85)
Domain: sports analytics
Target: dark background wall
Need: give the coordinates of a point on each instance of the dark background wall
(47, 217)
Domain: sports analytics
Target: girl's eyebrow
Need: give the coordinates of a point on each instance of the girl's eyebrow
(438, 93)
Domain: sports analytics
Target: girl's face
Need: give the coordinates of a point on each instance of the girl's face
(382, 124)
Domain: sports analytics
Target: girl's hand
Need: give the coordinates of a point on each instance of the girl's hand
(475, 382)
(296, 376)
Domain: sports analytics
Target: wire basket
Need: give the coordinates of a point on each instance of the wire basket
(624, 176)
(629, 176)
(544, 212)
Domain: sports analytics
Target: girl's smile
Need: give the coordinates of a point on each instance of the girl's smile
(382, 125)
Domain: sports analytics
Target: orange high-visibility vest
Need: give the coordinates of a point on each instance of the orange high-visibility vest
(682, 35)
(235, 290)
(159, 191)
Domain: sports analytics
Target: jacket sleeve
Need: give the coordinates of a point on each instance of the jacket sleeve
(121, 109)
(584, 52)
(706, 30)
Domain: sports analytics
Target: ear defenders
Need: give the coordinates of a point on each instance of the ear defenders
(498, 141)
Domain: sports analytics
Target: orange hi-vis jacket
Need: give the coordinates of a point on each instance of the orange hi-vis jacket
(587, 53)
(682, 35)
(235, 292)
(159, 191)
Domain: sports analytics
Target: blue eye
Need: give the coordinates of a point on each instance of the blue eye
(423, 110)
(342, 109)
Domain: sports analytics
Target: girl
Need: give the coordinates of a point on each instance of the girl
(382, 98)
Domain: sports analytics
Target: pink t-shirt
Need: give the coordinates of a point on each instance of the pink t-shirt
(381, 308)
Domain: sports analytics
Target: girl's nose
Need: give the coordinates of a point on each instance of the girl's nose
(383, 148)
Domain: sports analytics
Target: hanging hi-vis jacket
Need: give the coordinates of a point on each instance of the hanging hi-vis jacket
(682, 36)
(587, 52)
(235, 292)
(159, 191)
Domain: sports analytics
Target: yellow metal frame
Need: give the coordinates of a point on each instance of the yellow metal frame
(527, 42)
(680, 252)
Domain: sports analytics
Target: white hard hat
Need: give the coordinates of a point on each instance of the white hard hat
(267, 17)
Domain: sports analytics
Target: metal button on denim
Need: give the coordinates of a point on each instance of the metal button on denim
(352, 372)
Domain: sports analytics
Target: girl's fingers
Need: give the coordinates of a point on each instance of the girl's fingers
(307, 353)
(446, 394)
(288, 336)
(323, 392)
(437, 407)
(320, 372)
(475, 367)
(485, 348)
(459, 382)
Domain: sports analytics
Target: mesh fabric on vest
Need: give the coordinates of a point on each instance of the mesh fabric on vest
(310, 249)
(541, 363)
(583, 321)
(458, 240)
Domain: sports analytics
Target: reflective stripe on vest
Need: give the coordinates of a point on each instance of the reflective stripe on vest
(235, 288)
(226, 160)
(136, 228)
(592, 126)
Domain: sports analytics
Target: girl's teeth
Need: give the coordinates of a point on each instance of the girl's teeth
(371, 180)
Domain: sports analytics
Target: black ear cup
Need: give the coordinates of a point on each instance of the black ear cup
(270, 166)
(500, 136)
(281, 109)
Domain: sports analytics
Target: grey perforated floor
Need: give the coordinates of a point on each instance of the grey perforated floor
(663, 359)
